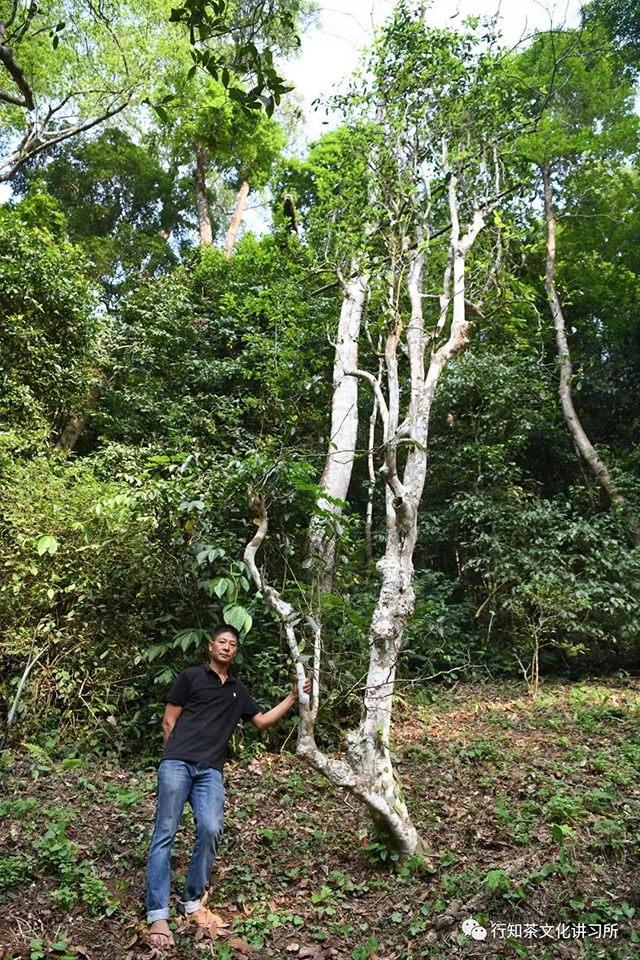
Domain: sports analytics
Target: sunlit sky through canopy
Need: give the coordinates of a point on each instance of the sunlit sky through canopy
(331, 49)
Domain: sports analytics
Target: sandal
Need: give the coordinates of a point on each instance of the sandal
(159, 940)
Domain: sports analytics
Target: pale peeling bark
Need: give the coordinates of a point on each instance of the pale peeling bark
(338, 771)
(284, 610)
(369, 748)
(202, 202)
(373, 419)
(336, 476)
(578, 433)
(338, 467)
(236, 219)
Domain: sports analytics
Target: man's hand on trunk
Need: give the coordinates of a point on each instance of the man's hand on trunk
(306, 688)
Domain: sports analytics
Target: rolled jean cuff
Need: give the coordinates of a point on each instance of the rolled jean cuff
(189, 907)
(154, 915)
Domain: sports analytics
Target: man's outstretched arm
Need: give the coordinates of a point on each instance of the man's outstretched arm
(264, 720)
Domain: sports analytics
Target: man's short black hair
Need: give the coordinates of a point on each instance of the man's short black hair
(226, 628)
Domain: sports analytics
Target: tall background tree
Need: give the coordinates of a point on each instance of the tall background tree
(587, 95)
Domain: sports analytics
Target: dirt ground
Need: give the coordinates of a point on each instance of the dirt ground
(530, 812)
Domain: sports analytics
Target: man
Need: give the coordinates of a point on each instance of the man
(203, 707)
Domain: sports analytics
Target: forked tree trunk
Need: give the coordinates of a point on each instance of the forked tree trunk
(236, 219)
(202, 201)
(578, 433)
(339, 772)
(368, 771)
(369, 748)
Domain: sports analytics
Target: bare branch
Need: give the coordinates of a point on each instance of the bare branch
(8, 61)
(382, 403)
(286, 613)
(13, 99)
(35, 142)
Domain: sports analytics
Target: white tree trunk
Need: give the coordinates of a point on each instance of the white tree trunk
(369, 749)
(339, 772)
(236, 219)
(336, 476)
(368, 770)
(338, 466)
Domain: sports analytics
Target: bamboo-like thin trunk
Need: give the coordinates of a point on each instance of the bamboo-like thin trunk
(11, 718)
(578, 433)
(236, 219)
(202, 202)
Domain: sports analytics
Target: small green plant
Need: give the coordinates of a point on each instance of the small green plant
(480, 750)
(562, 808)
(59, 949)
(486, 781)
(18, 809)
(38, 949)
(598, 800)
(610, 832)
(325, 902)
(418, 752)
(497, 880)
(96, 895)
(14, 870)
(378, 850)
(65, 897)
(57, 852)
(602, 910)
(41, 763)
(366, 950)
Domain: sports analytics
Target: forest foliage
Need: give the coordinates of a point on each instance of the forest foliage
(192, 376)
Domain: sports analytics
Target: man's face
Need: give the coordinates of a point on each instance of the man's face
(224, 647)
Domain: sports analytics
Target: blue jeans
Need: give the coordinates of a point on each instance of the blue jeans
(202, 786)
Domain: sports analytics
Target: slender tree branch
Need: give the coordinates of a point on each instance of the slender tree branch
(8, 61)
(282, 608)
(382, 403)
(35, 142)
(11, 718)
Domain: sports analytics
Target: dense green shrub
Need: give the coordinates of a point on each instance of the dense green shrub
(50, 325)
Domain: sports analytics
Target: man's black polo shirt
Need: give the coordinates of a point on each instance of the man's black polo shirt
(210, 711)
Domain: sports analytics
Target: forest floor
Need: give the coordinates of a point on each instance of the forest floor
(531, 811)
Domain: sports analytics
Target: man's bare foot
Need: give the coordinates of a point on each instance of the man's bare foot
(159, 935)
